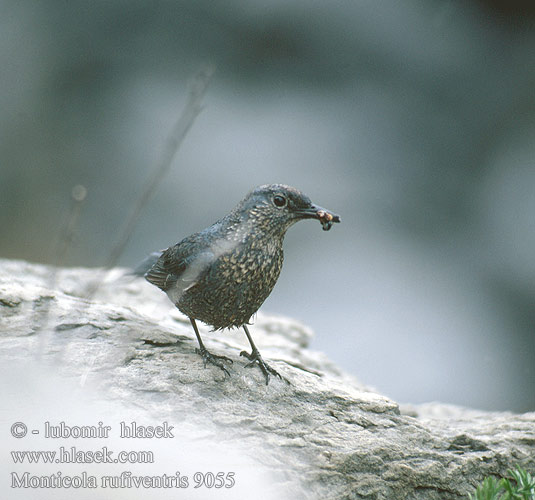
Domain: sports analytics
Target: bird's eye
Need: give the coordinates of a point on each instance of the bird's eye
(279, 200)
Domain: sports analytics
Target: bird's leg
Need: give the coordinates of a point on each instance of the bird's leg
(207, 356)
(255, 357)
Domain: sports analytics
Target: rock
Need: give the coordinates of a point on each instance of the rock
(322, 436)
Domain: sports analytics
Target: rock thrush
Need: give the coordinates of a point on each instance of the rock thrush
(223, 274)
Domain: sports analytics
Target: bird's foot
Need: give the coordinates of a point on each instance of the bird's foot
(255, 358)
(213, 359)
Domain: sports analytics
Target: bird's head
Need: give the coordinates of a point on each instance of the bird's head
(275, 207)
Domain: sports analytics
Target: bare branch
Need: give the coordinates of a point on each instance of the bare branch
(174, 141)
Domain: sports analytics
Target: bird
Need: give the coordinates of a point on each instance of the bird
(223, 274)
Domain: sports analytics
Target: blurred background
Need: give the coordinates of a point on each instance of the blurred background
(414, 120)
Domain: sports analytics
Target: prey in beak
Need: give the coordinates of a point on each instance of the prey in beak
(326, 217)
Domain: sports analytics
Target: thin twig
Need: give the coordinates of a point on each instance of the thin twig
(63, 246)
(174, 141)
(78, 196)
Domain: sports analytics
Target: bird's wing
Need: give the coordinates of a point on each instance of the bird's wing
(179, 267)
(165, 271)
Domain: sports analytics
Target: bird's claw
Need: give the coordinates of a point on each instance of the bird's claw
(255, 358)
(213, 359)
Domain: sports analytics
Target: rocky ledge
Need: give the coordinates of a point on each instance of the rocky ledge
(322, 435)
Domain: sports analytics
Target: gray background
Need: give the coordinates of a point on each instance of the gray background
(414, 120)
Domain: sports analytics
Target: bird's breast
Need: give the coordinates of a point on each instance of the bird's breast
(235, 285)
(252, 265)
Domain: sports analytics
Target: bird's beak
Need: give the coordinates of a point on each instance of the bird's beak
(326, 217)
